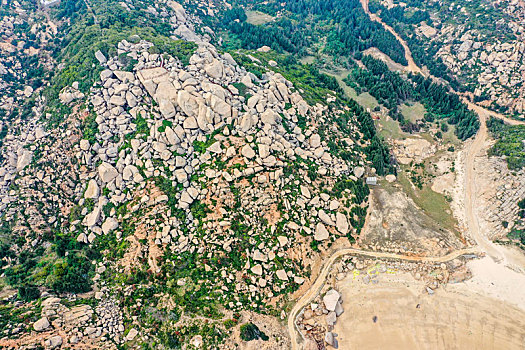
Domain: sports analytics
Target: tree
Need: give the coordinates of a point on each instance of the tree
(249, 332)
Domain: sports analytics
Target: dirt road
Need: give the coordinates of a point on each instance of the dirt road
(498, 253)
(412, 66)
(320, 281)
(470, 189)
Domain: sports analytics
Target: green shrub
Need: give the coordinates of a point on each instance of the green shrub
(249, 332)
(509, 142)
(28, 292)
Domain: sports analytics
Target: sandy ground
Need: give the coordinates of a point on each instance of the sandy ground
(396, 221)
(497, 281)
(455, 317)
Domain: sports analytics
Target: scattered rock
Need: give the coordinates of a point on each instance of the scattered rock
(107, 172)
(100, 57)
(330, 299)
(321, 233)
(54, 342)
(41, 325)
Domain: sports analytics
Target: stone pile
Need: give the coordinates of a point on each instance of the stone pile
(318, 320)
(150, 121)
(493, 64)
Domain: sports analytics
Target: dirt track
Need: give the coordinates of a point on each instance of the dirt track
(412, 66)
(498, 253)
(320, 281)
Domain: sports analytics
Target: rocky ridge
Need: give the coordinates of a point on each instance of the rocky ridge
(172, 159)
(490, 61)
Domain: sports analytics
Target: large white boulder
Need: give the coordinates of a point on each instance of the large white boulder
(325, 218)
(92, 190)
(107, 172)
(188, 103)
(91, 219)
(109, 225)
(215, 69)
(41, 325)
(321, 233)
(330, 299)
(341, 223)
(54, 342)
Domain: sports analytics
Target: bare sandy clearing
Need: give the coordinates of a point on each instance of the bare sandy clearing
(408, 318)
(497, 280)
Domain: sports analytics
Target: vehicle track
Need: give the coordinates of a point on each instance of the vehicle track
(315, 289)
(498, 253)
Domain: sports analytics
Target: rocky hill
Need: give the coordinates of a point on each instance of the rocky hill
(214, 175)
(479, 43)
(174, 196)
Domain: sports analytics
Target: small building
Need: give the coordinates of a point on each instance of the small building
(371, 180)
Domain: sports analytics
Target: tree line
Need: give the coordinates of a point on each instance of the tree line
(391, 90)
(343, 24)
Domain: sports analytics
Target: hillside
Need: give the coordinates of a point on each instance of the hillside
(213, 174)
(163, 175)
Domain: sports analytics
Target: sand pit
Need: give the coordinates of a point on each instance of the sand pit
(409, 318)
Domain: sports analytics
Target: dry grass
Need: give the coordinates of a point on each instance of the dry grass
(258, 18)
(413, 111)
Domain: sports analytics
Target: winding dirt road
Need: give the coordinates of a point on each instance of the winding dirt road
(499, 253)
(321, 278)
(412, 66)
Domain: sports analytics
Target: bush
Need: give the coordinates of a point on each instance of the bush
(249, 332)
(509, 142)
(28, 293)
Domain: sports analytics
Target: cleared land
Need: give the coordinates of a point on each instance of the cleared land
(396, 221)
(258, 18)
(409, 318)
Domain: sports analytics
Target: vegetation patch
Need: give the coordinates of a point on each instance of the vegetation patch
(250, 331)
(393, 90)
(510, 142)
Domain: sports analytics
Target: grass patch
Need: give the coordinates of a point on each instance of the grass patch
(258, 18)
(365, 100)
(432, 203)
(307, 60)
(413, 111)
(389, 129)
